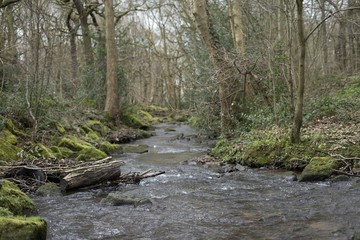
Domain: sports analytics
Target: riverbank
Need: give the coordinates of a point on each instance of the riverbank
(247, 204)
(35, 162)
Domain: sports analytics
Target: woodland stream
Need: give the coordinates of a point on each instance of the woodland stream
(194, 202)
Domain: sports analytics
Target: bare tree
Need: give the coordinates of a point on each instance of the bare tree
(111, 103)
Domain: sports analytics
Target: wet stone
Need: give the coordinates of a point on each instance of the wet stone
(119, 199)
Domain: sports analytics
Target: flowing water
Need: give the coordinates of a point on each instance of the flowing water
(193, 202)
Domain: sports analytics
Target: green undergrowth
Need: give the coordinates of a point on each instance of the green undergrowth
(79, 133)
(272, 148)
(342, 103)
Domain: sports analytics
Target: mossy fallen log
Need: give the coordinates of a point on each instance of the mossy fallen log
(91, 175)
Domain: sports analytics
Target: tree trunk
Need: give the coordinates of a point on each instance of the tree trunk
(89, 56)
(73, 54)
(295, 136)
(324, 37)
(217, 53)
(111, 103)
(236, 25)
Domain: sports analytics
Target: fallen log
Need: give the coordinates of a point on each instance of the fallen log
(91, 175)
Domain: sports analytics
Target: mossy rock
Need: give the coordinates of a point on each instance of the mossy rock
(12, 128)
(8, 152)
(108, 147)
(4, 212)
(156, 110)
(74, 144)
(144, 134)
(135, 148)
(170, 129)
(14, 228)
(12, 198)
(49, 189)
(319, 168)
(97, 126)
(8, 136)
(62, 152)
(146, 116)
(91, 154)
(41, 151)
(133, 121)
(60, 128)
(119, 198)
(92, 136)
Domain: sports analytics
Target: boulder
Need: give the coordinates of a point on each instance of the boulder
(8, 152)
(49, 189)
(91, 154)
(13, 199)
(318, 169)
(32, 228)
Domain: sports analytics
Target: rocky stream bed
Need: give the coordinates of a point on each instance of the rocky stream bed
(190, 201)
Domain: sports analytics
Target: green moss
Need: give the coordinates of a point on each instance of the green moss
(8, 152)
(133, 121)
(8, 136)
(143, 134)
(41, 151)
(228, 150)
(22, 228)
(98, 127)
(91, 154)
(4, 212)
(319, 169)
(60, 128)
(74, 144)
(12, 128)
(265, 148)
(13, 199)
(194, 121)
(148, 117)
(108, 147)
(92, 136)
(62, 152)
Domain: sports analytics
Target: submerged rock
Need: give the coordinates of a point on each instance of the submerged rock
(319, 168)
(118, 199)
(135, 149)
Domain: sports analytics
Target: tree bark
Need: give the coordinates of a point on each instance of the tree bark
(73, 54)
(224, 70)
(324, 37)
(92, 175)
(236, 25)
(89, 56)
(295, 135)
(111, 102)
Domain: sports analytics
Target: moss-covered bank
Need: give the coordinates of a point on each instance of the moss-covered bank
(14, 206)
(271, 148)
(16, 228)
